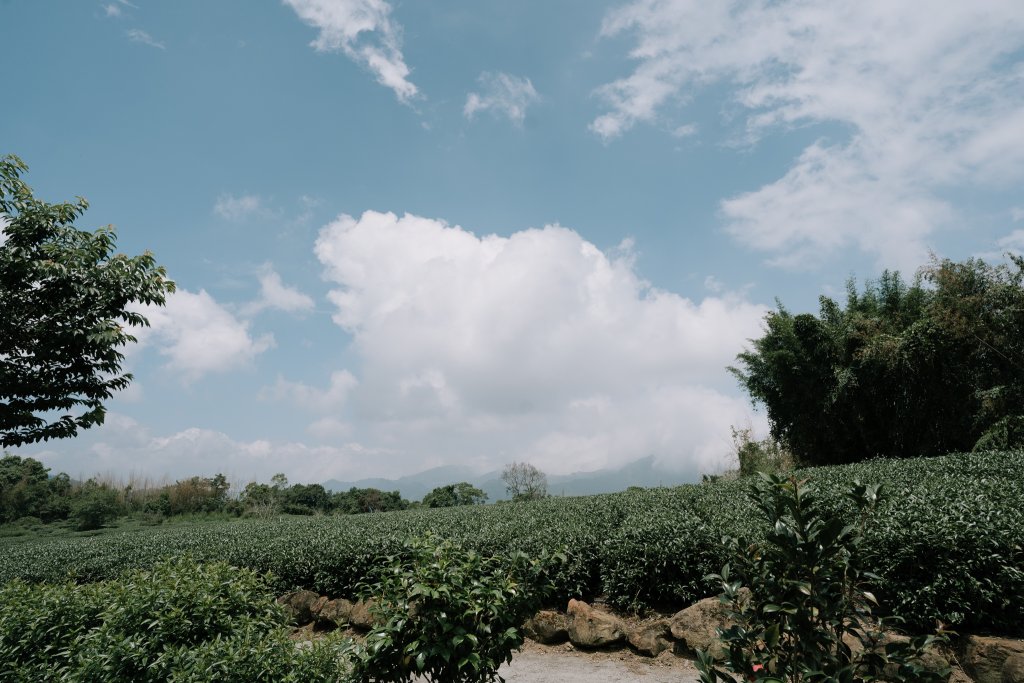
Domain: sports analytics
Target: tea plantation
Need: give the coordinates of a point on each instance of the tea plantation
(948, 544)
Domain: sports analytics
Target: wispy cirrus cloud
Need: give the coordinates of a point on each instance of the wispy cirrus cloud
(927, 100)
(137, 35)
(238, 207)
(364, 31)
(503, 95)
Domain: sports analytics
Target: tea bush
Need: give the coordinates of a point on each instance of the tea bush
(805, 601)
(641, 548)
(179, 621)
(449, 614)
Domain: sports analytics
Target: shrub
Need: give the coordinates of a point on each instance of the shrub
(95, 505)
(448, 613)
(807, 602)
(180, 621)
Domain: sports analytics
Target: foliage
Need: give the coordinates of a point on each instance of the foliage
(448, 613)
(64, 302)
(94, 505)
(641, 548)
(26, 490)
(806, 602)
(766, 455)
(357, 501)
(181, 621)
(453, 495)
(523, 481)
(902, 370)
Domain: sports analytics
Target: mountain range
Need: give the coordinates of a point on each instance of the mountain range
(643, 472)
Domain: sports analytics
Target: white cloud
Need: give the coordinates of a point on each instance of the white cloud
(274, 294)
(502, 94)
(536, 346)
(685, 131)
(112, 10)
(364, 31)
(927, 100)
(137, 35)
(198, 336)
(1017, 214)
(332, 399)
(121, 445)
(237, 208)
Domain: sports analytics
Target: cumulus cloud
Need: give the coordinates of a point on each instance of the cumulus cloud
(333, 398)
(536, 346)
(121, 444)
(502, 95)
(926, 100)
(198, 336)
(276, 295)
(237, 208)
(364, 31)
(137, 35)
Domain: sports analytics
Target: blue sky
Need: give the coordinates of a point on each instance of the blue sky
(414, 234)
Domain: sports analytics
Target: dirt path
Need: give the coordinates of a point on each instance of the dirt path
(565, 664)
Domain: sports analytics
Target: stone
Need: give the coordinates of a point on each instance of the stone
(335, 613)
(984, 657)
(361, 616)
(696, 627)
(592, 628)
(1013, 669)
(651, 639)
(301, 606)
(547, 627)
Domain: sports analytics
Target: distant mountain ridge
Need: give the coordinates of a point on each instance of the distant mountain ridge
(642, 472)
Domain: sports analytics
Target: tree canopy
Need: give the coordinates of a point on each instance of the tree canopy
(904, 369)
(454, 495)
(64, 313)
(523, 481)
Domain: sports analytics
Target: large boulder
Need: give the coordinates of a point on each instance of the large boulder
(931, 659)
(547, 628)
(301, 606)
(589, 627)
(335, 613)
(1013, 669)
(651, 639)
(696, 627)
(984, 657)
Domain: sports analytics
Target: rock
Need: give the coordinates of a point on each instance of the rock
(360, 616)
(1013, 669)
(651, 639)
(335, 613)
(301, 606)
(984, 657)
(547, 628)
(593, 628)
(932, 659)
(696, 627)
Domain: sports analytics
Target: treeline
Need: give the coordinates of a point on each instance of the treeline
(28, 492)
(904, 369)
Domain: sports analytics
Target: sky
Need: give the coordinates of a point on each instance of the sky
(472, 232)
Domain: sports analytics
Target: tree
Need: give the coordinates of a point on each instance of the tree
(903, 370)
(64, 310)
(523, 481)
(453, 495)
